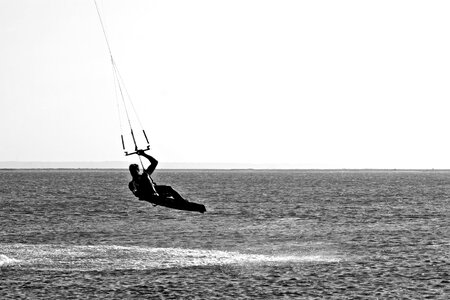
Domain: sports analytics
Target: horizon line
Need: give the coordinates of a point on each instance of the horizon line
(191, 166)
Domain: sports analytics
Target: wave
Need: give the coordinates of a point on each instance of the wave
(6, 261)
(111, 257)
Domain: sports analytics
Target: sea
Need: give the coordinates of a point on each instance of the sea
(267, 234)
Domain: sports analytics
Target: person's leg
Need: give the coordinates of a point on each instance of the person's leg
(169, 191)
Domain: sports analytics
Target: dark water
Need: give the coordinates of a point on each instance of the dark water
(266, 235)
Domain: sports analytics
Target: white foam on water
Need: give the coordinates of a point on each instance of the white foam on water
(113, 257)
(6, 261)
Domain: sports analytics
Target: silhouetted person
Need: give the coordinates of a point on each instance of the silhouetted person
(144, 187)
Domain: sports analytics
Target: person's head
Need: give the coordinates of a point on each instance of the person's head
(134, 170)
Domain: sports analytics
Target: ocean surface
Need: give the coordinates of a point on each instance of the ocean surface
(80, 234)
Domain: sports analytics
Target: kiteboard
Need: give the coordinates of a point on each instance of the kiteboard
(179, 204)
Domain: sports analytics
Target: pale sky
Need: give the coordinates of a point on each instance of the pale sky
(342, 84)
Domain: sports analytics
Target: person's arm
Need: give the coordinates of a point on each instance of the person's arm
(151, 159)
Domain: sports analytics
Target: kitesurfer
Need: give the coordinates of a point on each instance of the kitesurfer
(144, 187)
